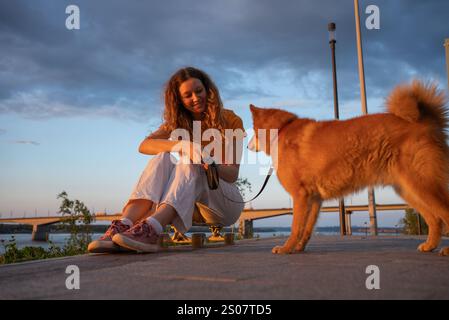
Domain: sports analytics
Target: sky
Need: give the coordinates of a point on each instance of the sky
(75, 104)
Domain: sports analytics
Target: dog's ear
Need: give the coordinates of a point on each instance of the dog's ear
(253, 108)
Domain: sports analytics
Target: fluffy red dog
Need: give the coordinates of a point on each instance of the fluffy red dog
(405, 148)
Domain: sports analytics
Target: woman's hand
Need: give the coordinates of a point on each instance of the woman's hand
(188, 150)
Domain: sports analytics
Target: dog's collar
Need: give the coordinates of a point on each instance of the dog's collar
(285, 125)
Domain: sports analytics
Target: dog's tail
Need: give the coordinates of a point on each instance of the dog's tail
(424, 103)
(420, 102)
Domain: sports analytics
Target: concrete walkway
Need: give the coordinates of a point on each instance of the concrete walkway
(331, 268)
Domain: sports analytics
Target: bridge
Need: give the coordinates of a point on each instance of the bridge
(41, 224)
(248, 216)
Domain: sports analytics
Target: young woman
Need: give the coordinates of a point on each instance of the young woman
(168, 189)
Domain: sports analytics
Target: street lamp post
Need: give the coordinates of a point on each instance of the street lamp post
(332, 42)
(371, 197)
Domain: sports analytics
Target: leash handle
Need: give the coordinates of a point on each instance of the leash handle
(270, 172)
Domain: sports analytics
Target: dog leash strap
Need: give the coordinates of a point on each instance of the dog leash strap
(270, 172)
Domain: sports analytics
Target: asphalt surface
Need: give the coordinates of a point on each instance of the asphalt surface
(332, 268)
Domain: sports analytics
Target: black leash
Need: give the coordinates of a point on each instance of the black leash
(270, 172)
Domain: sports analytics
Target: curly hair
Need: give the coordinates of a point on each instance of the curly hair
(177, 116)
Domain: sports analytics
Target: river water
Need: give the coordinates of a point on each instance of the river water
(59, 239)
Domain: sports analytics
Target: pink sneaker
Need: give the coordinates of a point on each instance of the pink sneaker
(140, 238)
(104, 244)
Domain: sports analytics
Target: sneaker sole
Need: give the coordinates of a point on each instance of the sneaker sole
(130, 244)
(104, 246)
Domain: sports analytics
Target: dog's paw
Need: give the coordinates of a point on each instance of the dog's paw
(281, 250)
(426, 247)
(300, 247)
(444, 251)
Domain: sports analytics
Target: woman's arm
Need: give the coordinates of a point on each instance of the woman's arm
(183, 147)
(154, 146)
(157, 142)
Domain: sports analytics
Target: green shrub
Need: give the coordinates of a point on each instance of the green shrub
(76, 217)
(13, 254)
(410, 223)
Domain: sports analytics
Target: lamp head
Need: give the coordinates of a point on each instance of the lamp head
(332, 33)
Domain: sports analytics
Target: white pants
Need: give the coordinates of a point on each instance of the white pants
(180, 186)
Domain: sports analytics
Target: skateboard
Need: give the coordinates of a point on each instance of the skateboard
(198, 239)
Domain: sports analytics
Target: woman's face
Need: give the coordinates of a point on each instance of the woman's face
(193, 96)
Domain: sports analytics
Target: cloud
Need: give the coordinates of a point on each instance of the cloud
(34, 143)
(117, 63)
(2, 131)
(40, 104)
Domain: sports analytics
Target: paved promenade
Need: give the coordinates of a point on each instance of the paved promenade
(331, 268)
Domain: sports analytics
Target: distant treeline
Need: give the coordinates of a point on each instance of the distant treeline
(15, 228)
(58, 228)
(334, 229)
(54, 228)
(6, 228)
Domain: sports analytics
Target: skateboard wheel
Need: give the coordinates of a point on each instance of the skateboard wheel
(229, 238)
(198, 240)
